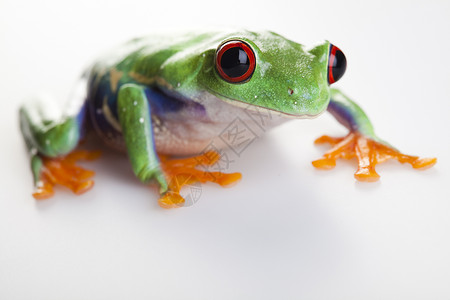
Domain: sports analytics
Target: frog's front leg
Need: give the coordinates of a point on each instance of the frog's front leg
(135, 119)
(171, 174)
(361, 142)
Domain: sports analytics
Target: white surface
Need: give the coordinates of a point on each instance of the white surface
(286, 231)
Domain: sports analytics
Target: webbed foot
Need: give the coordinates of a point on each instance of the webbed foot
(182, 172)
(65, 172)
(368, 152)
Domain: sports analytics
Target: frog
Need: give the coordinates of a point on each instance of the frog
(162, 99)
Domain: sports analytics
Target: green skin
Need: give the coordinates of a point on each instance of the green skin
(288, 79)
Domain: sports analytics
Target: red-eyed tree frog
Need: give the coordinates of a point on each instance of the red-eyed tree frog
(164, 96)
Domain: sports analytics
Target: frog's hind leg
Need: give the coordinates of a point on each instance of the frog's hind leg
(51, 140)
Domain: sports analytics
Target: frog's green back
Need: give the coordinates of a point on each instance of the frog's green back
(287, 78)
(146, 55)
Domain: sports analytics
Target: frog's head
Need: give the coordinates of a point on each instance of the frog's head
(269, 71)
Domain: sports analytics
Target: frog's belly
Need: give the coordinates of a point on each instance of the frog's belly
(194, 138)
(221, 126)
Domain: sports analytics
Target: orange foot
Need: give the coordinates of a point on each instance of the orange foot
(64, 171)
(181, 172)
(368, 152)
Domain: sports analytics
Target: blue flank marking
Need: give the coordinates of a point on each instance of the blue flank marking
(96, 95)
(161, 103)
(81, 120)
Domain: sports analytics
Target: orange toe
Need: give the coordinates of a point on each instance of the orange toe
(183, 172)
(64, 171)
(368, 152)
(424, 163)
(44, 190)
(171, 200)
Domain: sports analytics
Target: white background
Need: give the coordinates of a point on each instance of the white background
(286, 231)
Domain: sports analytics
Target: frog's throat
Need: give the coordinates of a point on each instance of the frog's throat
(258, 108)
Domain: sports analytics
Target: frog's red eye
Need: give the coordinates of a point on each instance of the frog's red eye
(337, 63)
(235, 61)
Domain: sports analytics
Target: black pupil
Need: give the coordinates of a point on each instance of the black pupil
(234, 62)
(339, 64)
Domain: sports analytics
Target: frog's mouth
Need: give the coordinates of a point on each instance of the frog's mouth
(259, 108)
